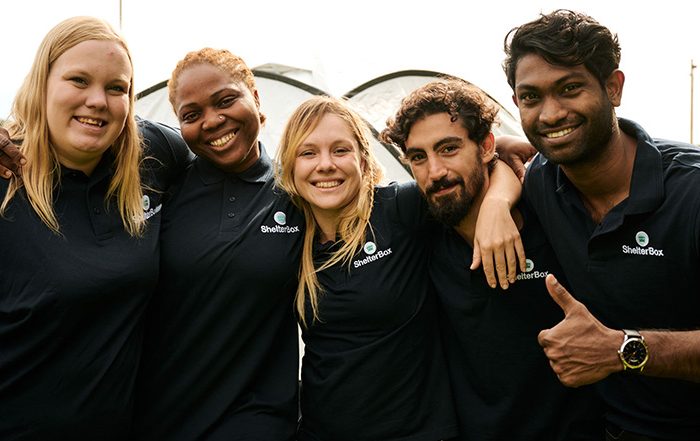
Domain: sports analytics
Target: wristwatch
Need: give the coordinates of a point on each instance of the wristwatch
(633, 352)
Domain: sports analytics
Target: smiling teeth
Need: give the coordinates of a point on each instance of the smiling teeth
(92, 122)
(328, 184)
(223, 140)
(560, 133)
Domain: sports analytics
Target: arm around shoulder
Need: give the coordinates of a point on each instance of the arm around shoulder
(11, 159)
(497, 242)
(516, 152)
(165, 144)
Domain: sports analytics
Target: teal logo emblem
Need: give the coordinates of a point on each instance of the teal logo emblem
(370, 248)
(280, 218)
(642, 239)
(146, 201)
(529, 265)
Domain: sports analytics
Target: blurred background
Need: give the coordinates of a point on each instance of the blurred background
(341, 45)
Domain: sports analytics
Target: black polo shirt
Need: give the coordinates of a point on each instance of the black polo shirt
(221, 354)
(503, 386)
(637, 269)
(71, 304)
(373, 367)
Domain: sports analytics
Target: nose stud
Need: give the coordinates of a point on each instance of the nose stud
(222, 117)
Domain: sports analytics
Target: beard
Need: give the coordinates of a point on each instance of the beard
(587, 148)
(451, 208)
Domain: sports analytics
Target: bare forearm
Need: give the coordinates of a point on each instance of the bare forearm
(673, 354)
(497, 242)
(504, 184)
(516, 152)
(11, 160)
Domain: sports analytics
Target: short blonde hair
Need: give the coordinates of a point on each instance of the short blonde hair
(354, 220)
(223, 59)
(29, 125)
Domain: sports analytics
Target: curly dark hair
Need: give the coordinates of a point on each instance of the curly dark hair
(462, 100)
(564, 38)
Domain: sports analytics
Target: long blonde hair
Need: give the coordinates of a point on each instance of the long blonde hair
(354, 219)
(28, 124)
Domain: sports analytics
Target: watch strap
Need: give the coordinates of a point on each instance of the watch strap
(632, 333)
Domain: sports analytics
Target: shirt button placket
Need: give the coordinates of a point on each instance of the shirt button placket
(229, 221)
(231, 214)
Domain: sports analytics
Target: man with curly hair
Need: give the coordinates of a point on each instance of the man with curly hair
(501, 380)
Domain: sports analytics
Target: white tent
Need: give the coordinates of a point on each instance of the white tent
(283, 88)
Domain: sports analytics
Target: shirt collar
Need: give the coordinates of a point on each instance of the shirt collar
(647, 186)
(104, 169)
(259, 172)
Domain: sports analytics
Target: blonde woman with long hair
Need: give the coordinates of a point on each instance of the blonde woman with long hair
(373, 366)
(79, 230)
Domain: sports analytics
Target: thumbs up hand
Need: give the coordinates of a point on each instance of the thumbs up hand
(581, 350)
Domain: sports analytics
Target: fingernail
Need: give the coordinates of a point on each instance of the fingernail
(553, 280)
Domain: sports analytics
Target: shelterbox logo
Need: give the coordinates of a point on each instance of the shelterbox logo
(642, 248)
(149, 212)
(280, 219)
(529, 265)
(642, 239)
(373, 255)
(530, 272)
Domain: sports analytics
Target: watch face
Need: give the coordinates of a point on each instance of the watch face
(634, 352)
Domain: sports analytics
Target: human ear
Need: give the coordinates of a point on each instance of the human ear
(256, 97)
(487, 148)
(613, 87)
(262, 117)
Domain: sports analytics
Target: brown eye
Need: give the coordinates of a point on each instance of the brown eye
(416, 157)
(571, 87)
(189, 117)
(227, 102)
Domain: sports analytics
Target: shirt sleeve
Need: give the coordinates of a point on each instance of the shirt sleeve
(411, 208)
(165, 152)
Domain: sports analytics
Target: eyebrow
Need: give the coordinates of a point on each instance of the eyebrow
(213, 96)
(565, 79)
(334, 143)
(437, 145)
